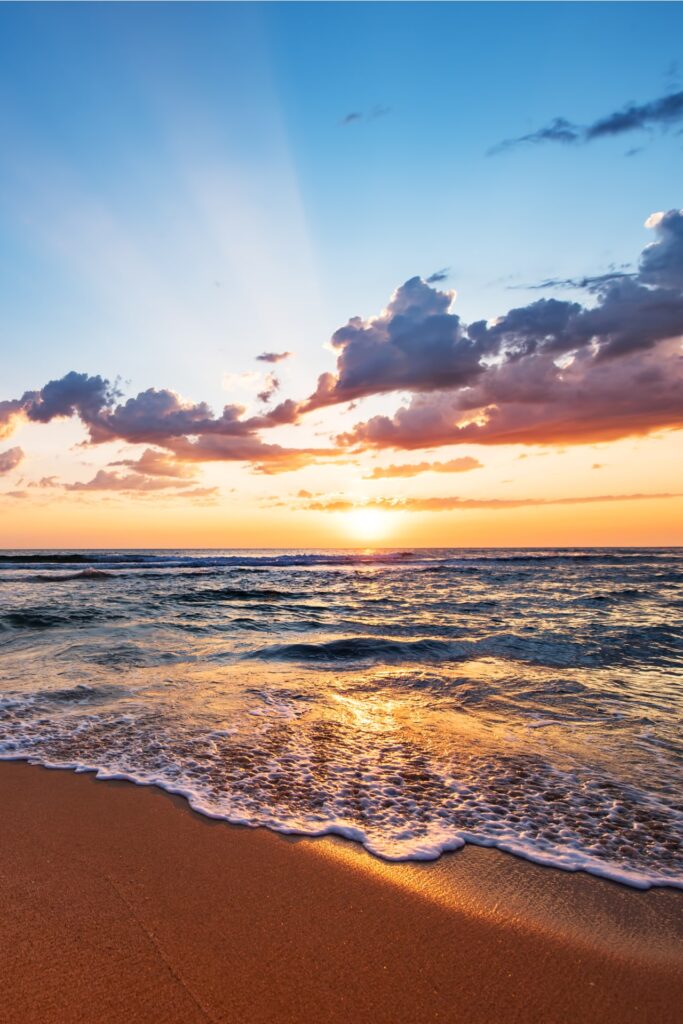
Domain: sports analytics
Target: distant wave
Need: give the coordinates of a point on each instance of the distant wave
(85, 574)
(462, 560)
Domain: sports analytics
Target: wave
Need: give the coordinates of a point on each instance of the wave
(364, 648)
(181, 559)
(47, 618)
(51, 558)
(232, 594)
(85, 574)
(399, 809)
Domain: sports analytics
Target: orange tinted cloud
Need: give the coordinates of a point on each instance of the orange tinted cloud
(454, 504)
(462, 465)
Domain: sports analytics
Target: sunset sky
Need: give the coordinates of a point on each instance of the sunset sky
(339, 275)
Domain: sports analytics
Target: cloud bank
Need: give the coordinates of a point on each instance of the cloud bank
(549, 372)
(552, 371)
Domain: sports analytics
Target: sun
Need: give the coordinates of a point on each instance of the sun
(367, 523)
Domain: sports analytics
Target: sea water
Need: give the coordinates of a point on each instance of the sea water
(413, 701)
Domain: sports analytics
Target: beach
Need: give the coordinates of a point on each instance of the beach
(120, 904)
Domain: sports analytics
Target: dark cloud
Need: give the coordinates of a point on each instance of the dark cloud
(462, 465)
(628, 316)
(74, 394)
(438, 276)
(661, 263)
(159, 417)
(662, 112)
(559, 130)
(10, 459)
(532, 400)
(359, 115)
(274, 357)
(551, 371)
(590, 284)
(415, 344)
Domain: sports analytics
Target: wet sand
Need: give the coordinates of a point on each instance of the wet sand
(120, 905)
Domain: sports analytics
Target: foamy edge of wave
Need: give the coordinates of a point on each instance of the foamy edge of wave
(573, 862)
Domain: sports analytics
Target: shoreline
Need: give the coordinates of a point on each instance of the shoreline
(121, 896)
(619, 878)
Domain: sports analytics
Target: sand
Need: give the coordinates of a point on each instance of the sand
(120, 905)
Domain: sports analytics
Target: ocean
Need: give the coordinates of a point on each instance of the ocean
(411, 701)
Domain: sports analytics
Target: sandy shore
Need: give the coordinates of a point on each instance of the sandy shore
(118, 904)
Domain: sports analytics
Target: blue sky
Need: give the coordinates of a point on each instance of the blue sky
(179, 193)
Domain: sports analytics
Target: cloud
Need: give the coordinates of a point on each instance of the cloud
(359, 115)
(274, 357)
(457, 504)
(210, 493)
(419, 344)
(265, 458)
(11, 413)
(549, 372)
(438, 276)
(559, 130)
(137, 485)
(157, 463)
(272, 385)
(415, 344)
(634, 117)
(462, 465)
(158, 417)
(552, 371)
(661, 263)
(662, 112)
(591, 284)
(534, 401)
(10, 459)
(105, 481)
(45, 481)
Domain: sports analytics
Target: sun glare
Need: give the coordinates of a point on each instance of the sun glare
(367, 523)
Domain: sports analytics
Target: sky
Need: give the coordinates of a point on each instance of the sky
(330, 275)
